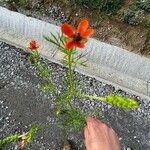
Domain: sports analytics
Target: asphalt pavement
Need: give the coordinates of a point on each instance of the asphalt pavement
(23, 104)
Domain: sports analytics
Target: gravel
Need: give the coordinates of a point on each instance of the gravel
(22, 104)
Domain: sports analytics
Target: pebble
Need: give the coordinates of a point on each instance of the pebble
(128, 148)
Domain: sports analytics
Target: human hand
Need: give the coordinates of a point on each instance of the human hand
(98, 136)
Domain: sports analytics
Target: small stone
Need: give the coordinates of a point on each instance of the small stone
(134, 137)
(128, 148)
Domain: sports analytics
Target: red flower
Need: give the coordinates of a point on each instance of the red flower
(33, 45)
(77, 37)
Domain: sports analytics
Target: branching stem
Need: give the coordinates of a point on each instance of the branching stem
(103, 99)
(70, 75)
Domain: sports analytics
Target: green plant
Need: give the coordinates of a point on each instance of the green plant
(134, 15)
(67, 44)
(108, 6)
(22, 3)
(144, 22)
(22, 139)
(144, 5)
(42, 70)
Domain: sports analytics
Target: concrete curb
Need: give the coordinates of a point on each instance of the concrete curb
(112, 64)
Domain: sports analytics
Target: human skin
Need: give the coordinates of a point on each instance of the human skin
(98, 136)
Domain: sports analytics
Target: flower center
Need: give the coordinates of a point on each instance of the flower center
(77, 37)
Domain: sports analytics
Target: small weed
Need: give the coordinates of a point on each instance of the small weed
(107, 6)
(144, 22)
(144, 5)
(22, 3)
(22, 139)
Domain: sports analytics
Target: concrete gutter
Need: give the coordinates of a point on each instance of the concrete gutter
(107, 63)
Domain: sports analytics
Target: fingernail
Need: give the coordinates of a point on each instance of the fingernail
(89, 119)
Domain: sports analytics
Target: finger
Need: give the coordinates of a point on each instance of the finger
(93, 128)
(91, 119)
(114, 133)
(114, 138)
(99, 121)
(86, 133)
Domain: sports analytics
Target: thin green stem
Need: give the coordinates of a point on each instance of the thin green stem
(70, 75)
(103, 99)
(69, 103)
(70, 71)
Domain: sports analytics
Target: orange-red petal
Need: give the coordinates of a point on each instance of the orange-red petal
(70, 45)
(67, 30)
(33, 45)
(80, 45)
(87, 33)
(83, 26)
